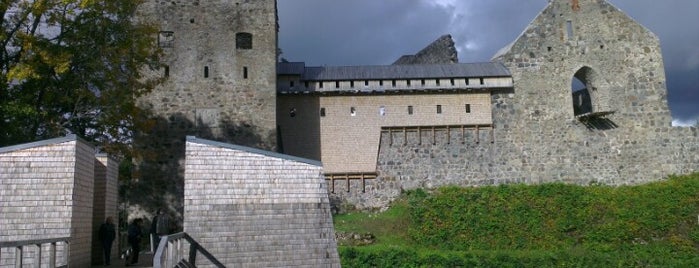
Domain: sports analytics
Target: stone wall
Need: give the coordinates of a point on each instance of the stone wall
(252, 208)
(627, 139)
(441, 50)
(219, 82)
(46, 191)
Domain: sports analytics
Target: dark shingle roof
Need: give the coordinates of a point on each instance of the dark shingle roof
(290, 68)
(333, 73)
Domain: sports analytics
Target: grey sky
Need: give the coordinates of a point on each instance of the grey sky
(369, 32)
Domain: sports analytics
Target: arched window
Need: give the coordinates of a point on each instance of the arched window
(243, 40)
(582, 87)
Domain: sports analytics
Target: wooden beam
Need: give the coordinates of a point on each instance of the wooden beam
(390, 136)
(332, 184)
(478, 134)
(363, 184)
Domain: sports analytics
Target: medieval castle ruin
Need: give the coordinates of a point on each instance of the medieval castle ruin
(240, 137)
(425, 120)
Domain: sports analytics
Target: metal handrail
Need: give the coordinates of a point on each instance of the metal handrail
(194, 248)
(19, 245)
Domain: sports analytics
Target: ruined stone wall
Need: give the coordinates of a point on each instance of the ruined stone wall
(538, 138)
(441, 50)
(252, 208)
(219, 71)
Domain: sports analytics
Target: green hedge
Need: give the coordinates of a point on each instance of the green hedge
(553, 216)
(549, 225)
(401, 257)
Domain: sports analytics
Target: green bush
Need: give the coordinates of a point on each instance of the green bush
(549, 225)
(552, 216)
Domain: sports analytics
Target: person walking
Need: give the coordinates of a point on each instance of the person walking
(160, 226)
(134, 235)
(106, 235)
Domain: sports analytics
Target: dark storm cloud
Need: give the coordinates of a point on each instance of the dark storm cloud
(363, 32)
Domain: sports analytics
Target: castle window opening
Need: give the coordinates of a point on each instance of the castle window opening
(206, 71)
(393, 83)
(351, 84)
(320, 84)
(451, 81)
(410, 109)
(337, 84)
(466, 79)
(480, 80)
(322, 112)
(245, 72)
(305, 84)
(243, 40)
(380, 82)
(191, 20)
(166, 39)
(166, 71)
(569, 29)
(353, 111)
(468, 108)
(436, 81)
(366, 83)
(439, 109)
(382, 111)
(549, 49)
(408, 82)
(292, 112)
(582, 87)
(291, 84)
(422, 82)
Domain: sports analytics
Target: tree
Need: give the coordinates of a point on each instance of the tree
(73, 66)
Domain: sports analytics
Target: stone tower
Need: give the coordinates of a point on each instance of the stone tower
(219, 72)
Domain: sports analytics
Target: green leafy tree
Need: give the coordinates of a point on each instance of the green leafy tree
(73, 66)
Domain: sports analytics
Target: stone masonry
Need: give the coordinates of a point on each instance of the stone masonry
(627, 137)
(440, 51)
(219, 81)
(253, 208)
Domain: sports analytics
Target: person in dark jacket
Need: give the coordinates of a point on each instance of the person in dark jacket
(160, 226)
(134, 235)
(106, 235)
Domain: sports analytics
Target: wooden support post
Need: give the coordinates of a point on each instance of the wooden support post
(52, 255)
(169, 261)
(37, 260)
(478, 134)
(332, 184)
(405, 136)
(419, 135)
(193, 254)
(18, 257)
(390, 135)
(66, 253)
(363, 184)
(448, 135)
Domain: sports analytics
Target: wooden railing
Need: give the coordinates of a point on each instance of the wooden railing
(171, 252)
(21, 246)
